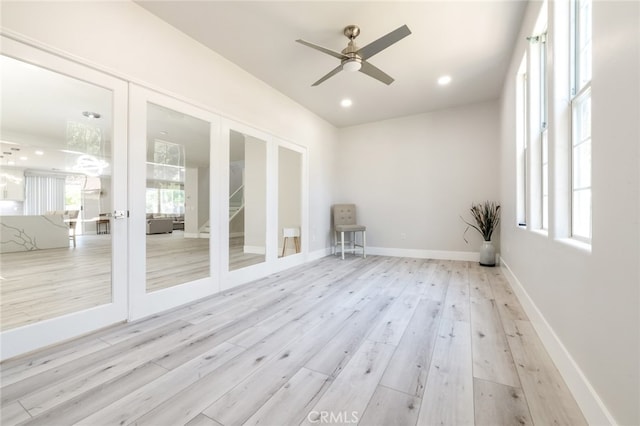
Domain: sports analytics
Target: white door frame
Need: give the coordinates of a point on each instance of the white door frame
(297, 258)
(43, 333)
(130, 301)
(141, 303)
(272, 263)
(240, 276)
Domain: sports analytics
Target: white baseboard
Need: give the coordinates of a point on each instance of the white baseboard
(425, 254)
(319, 254)
(411, 253)
(594, 410)
(254, 249)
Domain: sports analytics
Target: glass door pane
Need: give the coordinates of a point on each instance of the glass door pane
(55, 194)
(289, 201)
(247, 200)
(175, 216)
(177, 200)
(63, 175)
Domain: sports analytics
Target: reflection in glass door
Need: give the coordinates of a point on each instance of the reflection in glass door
(174, 235)
(56, 180)
(289, 201)
(63, 159)
(177, 198)
(247, 200)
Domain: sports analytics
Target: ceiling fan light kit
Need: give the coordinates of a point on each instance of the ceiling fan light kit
(352, 58)
(352, 65)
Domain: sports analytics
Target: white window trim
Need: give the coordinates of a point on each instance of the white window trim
(522, 138)
(578, 95)
(584, 94)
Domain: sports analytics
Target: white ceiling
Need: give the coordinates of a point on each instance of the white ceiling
(469, 40)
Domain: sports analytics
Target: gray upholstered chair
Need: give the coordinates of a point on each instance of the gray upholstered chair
(344, 222)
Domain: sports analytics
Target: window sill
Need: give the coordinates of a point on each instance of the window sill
(579, 245)
(541, 232)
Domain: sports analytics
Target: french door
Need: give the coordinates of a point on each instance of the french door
(175, 203)
(99, 226)
(118, 202)
(64, 252)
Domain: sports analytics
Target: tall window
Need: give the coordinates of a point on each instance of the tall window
(521, 143)
(544, 133)
(581, 120)
(43, 193)
(165, 199)
(545, 179)
(73, 192)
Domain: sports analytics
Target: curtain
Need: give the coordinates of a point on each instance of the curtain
(43, 194)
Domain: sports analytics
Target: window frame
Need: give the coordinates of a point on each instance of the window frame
(578, 142)
(522, 143)
(544, 131)
(580, 92)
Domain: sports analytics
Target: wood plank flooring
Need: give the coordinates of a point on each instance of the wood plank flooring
(376, 341)
(44, 284)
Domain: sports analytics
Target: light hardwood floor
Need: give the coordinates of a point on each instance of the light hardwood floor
(376, 341)
(43, 284)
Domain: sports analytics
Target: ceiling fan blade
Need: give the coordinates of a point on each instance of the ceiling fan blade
(323, 49)
(333, 72)
(376, 73)
(383, 42)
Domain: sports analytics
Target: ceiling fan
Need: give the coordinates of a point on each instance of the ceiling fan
(354, 58)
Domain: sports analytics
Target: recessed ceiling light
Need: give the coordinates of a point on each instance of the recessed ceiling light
(24, 158)
(444, 80)
(11, 162)
(39, 152)
(346, 103)
(90, 114)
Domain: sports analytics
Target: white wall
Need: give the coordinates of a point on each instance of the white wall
(589, 299)
(131, 43)
(413, 177)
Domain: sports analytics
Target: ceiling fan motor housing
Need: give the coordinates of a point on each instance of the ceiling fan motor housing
(354, 61)
(351, 31)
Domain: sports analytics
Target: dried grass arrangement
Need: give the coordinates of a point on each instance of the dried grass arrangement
(487, 219)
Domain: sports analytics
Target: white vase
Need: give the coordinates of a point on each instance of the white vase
(487, 254)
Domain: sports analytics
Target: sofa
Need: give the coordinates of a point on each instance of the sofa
(159, 225)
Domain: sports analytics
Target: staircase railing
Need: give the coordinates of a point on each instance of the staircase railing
(236, 202)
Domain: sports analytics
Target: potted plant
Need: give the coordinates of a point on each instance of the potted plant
(487, 217)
